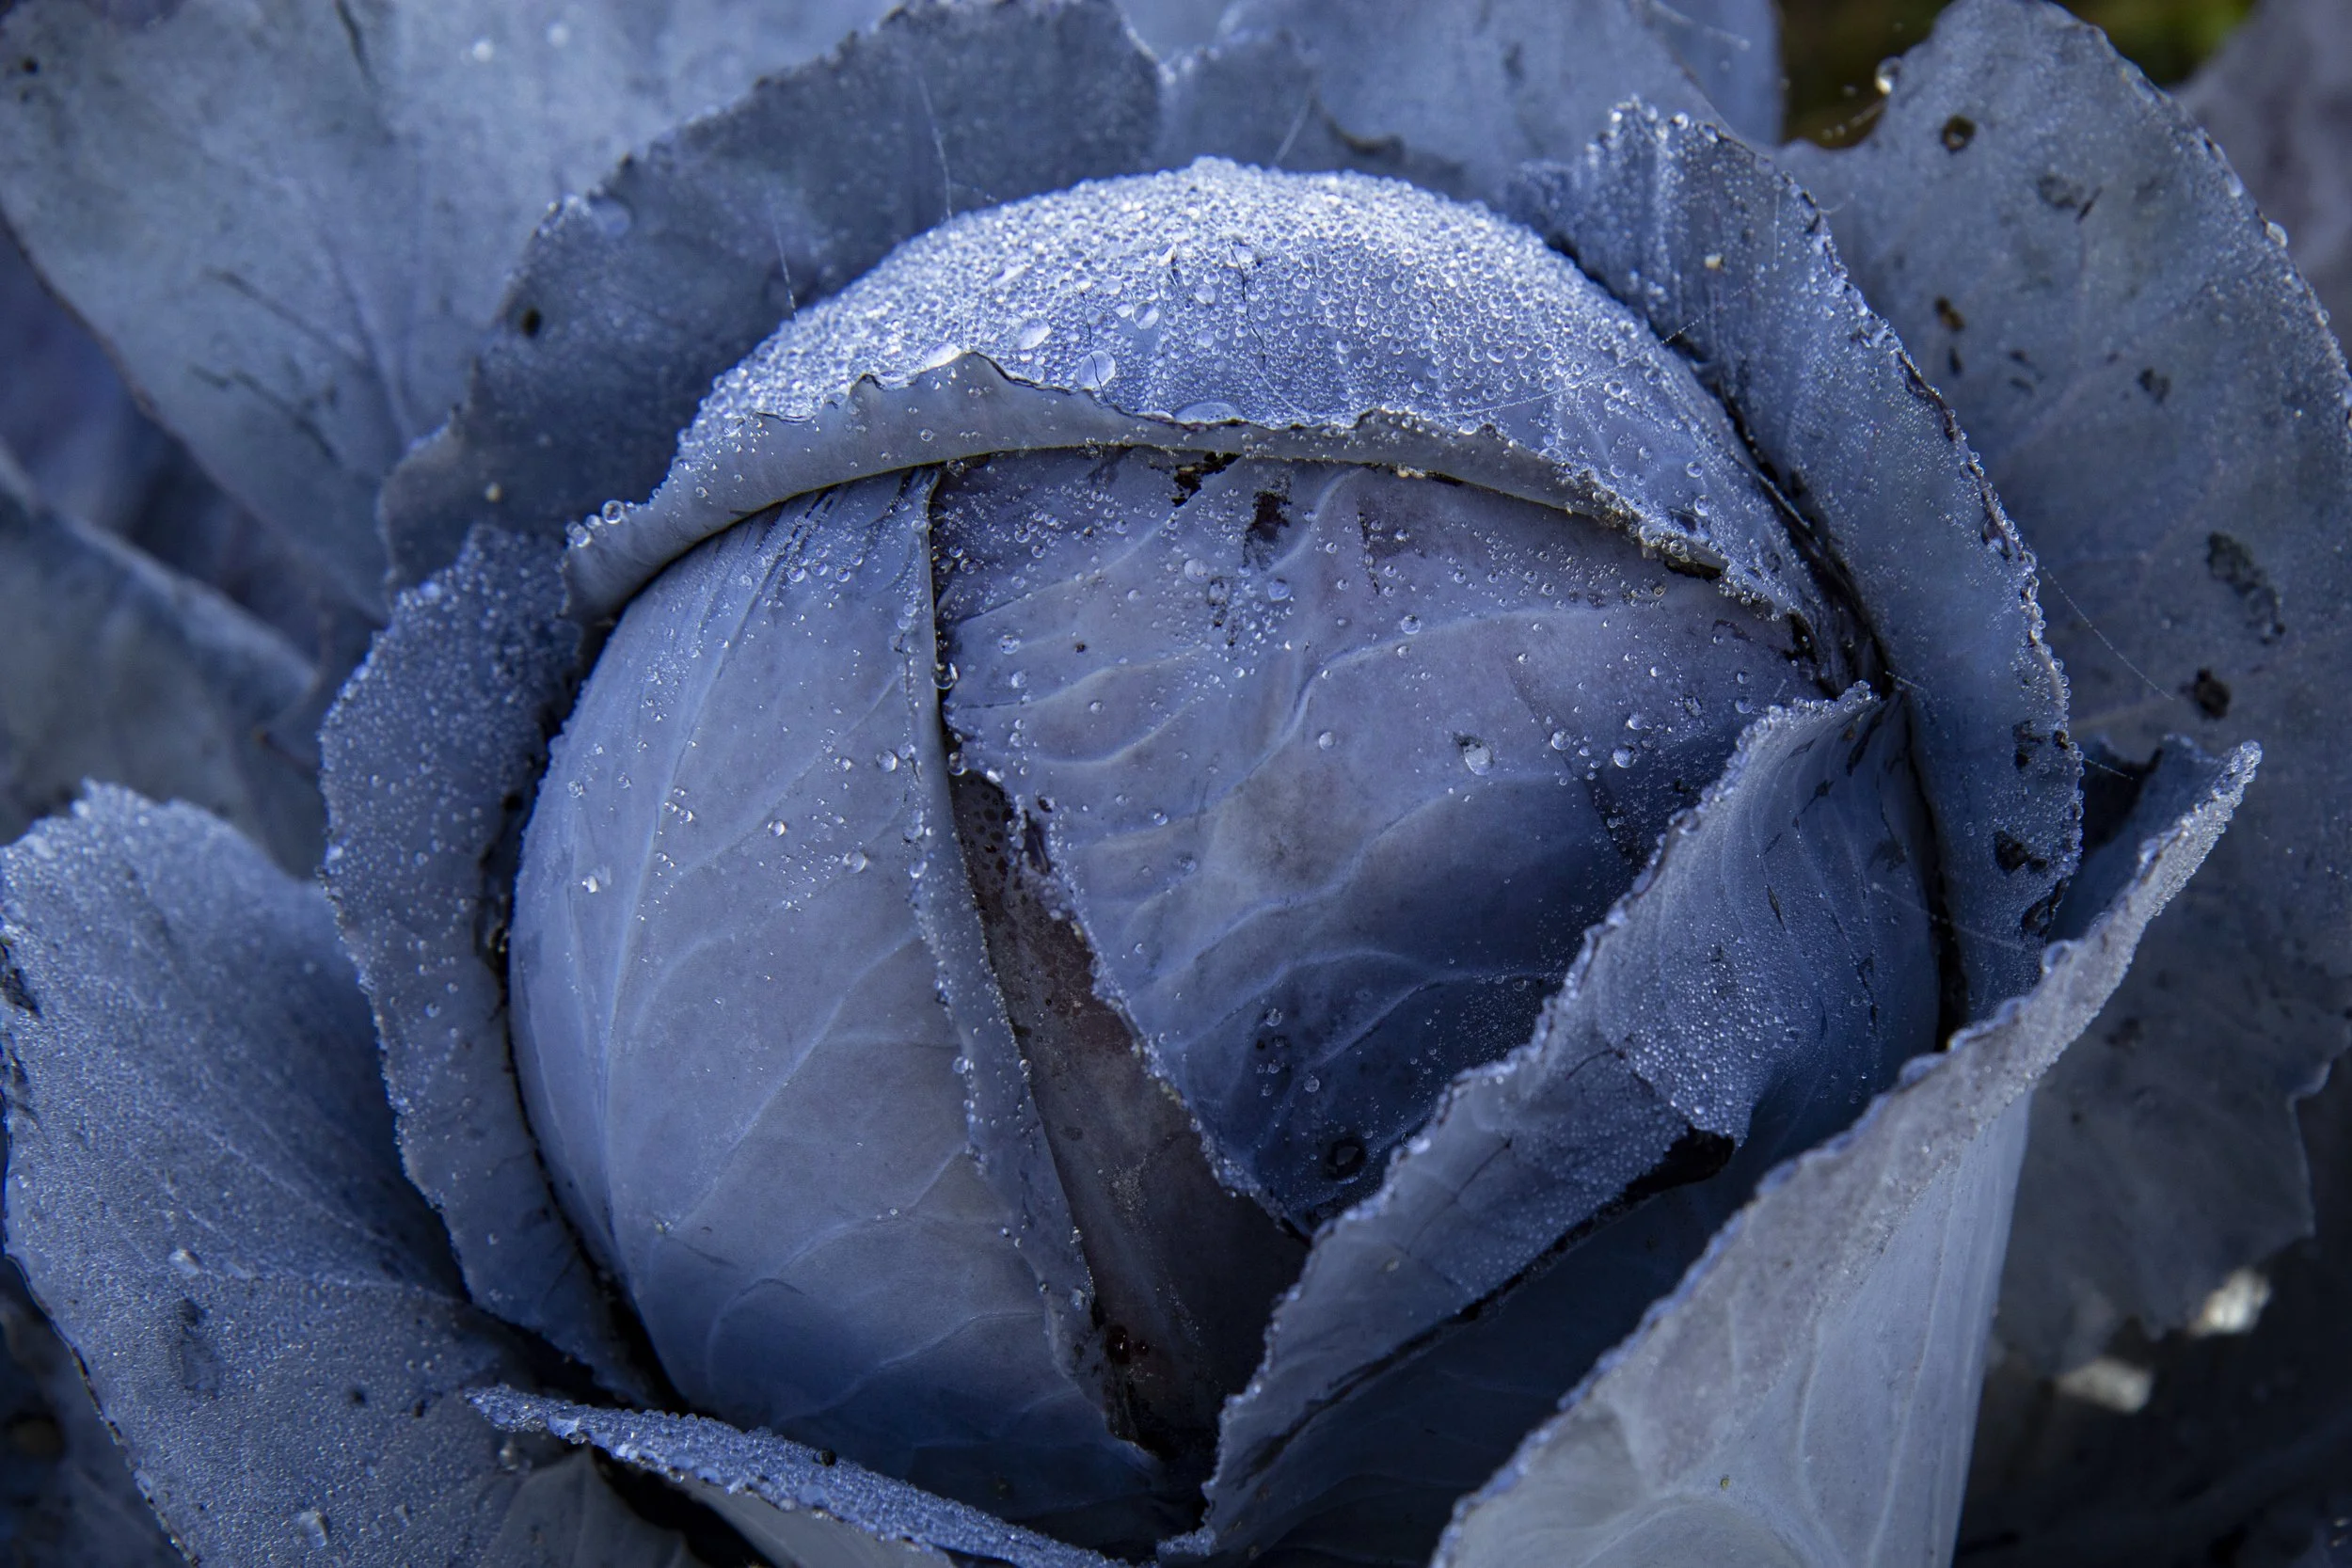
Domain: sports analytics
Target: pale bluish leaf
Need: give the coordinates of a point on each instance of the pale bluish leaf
(326, 200)
(2164, 412)
(1805, 1396)
(431, 758)
(630, 299)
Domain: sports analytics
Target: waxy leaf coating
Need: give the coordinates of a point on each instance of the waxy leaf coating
(203, 1196)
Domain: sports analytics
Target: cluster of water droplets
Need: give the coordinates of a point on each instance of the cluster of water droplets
(1233, 302)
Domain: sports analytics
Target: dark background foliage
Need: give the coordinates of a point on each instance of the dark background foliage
(1833, 49)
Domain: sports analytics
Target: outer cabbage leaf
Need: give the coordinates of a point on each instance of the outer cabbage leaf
(1454, 98)
(1173, 27)
(564, 1515)
(1771, 970)
(92, 453)
(2160, 404)
(802, 1505)
(291, 221)
(1227, 311)
(1804, 1398)
(2278, 97)
(432, 756)
(118, 669)
(629, 300)
(742, 1052)
(1734, 263)
(69, 1498)
(202, 1194)
(1732, 49)
(1334, 768)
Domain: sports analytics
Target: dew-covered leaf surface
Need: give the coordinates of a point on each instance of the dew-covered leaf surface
(1334, 767)
(1723, 254)
(2278, 97)
(1805, 1396)
(2162, 411)
(69, 1498)
(1454, 98)
(741, 1050)
(115, 668)
(1771, 970)
(203, 1196)
(826, 1511)
(630, 299)
(1227, 310)
(431, 758)
(291, 222)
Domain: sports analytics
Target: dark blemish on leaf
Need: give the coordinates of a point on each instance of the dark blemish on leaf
(1190, 477)
(1773, 899)
(529, 322)
(29, 66)
(14, 991)
(1951, 357)
(1953, 321)
(359, 1397)
(1514, 65)
(2036, 921)
(2155, 385)
(2233, 565)
(828, 1458)
(2211, 694)
(1959, 131)
(198, 1362)
(1117, 1346)
(1266, 527)
(1344, 1158)
(2028, 739)
(2057, 191)
(2011, 853)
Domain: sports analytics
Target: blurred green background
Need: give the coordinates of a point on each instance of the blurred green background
(1832, 48)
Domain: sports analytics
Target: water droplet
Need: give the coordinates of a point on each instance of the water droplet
(1635, 721)
(1008, 643)
(1560, 740)
(1622, 756)
(778, 829)
(313, 1523)
(1197, 569)
(1096, 370)
(1278, 589)
(855, 860)
(1032, 334)
(941, 357)
(1018, 679)
(887, 762)
(1478, 757)
(1327, 740)
(1409, 625)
